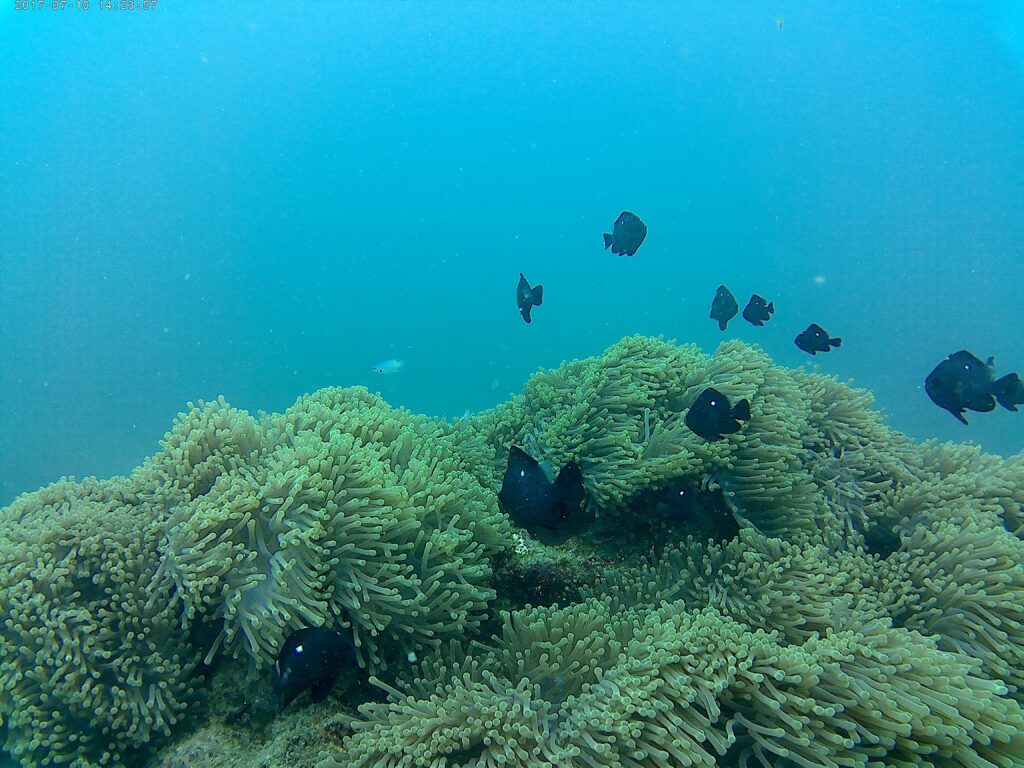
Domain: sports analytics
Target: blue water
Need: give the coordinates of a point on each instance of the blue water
(261, 200)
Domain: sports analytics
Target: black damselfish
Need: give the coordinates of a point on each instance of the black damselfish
(530, 497)
(816, 339)
(711, 416)
(628, 233)
(703, 514)
(527, 298)
(962, 382)
(758, 311)
(311, 658)
(723, 307)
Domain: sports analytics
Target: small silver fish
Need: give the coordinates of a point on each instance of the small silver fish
(388, 367)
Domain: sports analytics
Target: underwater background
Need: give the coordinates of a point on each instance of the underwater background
(259, 200)
(285, 479)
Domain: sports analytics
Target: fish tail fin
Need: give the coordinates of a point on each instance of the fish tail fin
(1005, 388)
(741, 410)
(607, 241)
(538, 295)
(771, 306)
(837, 342)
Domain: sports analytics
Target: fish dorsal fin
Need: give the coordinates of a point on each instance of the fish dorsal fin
(547, 469)
(990, 362)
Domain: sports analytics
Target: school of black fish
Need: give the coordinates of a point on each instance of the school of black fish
(960, 383)
(551, 507)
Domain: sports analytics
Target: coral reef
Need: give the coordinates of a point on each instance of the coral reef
(96, 661)
(358, 515)
(831, 594)
(798, 591)
(620, 416)
(341, 510)
(866, 614)
(667, 686)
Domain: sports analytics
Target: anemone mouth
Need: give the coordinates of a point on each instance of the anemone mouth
(851, 485)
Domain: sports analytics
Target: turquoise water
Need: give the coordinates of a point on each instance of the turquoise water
(261, 200)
